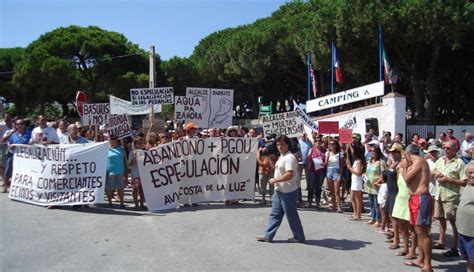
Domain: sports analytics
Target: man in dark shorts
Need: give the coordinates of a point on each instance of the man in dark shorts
(416, 172)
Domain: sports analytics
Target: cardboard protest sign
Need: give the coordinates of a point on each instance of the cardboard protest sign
(118, 126)
(211, 107)
(287, 123)
(151, 96)
(121, 106)
(198, 170)
(222, 102)
(59, 174)
(345, 136)
(95, 114)
(184, 107)
(328, 127)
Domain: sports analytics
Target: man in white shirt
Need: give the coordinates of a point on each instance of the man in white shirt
(467, 148)
(42, 134)
(285, 196)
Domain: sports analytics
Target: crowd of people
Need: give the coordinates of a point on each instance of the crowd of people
(407, 186)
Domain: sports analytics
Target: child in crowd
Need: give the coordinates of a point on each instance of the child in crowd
(136, 183)
(382, 199)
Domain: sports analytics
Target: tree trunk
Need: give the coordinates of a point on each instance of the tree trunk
(430, 84)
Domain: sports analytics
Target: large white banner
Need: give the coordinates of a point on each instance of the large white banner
(198, 170)
(59, 174)
(346, 97)
(151, 96)
(95, 114)
(215, 107)
(121, 106)
(287, 123)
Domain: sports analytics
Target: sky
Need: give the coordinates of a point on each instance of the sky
(173, 27)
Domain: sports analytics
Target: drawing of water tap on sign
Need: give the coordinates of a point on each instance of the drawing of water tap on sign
(196, 106)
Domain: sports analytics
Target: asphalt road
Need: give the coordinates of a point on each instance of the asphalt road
(211, 237)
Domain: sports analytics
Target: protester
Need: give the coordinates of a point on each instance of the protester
(381, 199)
(6, 125)
(334, 163)
(304, 147)
(136, 182)
(375, 167)
(431, 158)
(450, 175)
(467, 148)
(285, 196)
(116, 168)
(316, 172)
(266, 167)
(72, 136)
(357, 168)
(62, 130)
(18, 135)
(451, 137)
(42, 134)
(416, 173)
(392, 189)
(465, 219)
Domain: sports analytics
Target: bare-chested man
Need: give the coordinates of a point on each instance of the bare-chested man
(416, 172)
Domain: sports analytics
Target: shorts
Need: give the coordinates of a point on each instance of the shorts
(445, 209)
(136, 183)
(332, 173)
(263, 181)
(114, 182)
(421, 209)
(9, 167)
(466, 246)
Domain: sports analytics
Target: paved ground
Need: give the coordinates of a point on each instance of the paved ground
(211, 237)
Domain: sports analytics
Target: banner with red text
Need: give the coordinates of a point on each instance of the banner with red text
(59, 174)
(198, 170)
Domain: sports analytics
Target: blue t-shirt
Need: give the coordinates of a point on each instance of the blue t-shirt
(115, 163)
(16, 138)
(305, 146)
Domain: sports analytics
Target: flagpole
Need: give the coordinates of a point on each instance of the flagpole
(308, 62)
(380, 52)
(332, 68)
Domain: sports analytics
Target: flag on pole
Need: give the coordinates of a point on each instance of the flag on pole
(386, 66)
(313, 79)
(337, 66)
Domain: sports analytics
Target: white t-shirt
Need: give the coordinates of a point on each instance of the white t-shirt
(286, 162)
(38, 134)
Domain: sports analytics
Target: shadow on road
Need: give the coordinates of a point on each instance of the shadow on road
(342, 244)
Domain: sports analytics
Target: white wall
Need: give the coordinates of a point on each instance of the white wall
(390, 114)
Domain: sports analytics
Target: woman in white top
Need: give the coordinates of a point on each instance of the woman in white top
(333, 162)
(357, 169)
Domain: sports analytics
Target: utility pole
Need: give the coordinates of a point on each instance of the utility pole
(152, 67)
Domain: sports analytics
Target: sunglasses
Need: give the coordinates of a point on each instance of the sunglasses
(447, 148)
(332, 144)
(19, 124)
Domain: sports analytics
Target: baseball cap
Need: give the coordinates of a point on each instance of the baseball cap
(434, 148)
(374, 142)
(190, 126)
(421, 141)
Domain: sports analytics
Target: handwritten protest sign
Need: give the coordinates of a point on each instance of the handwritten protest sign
(351, 123)
(151, 96)
(184, 107)
(118, 126)
(95, 114)
(211, 107)
(197, 170)
(121, 106)
(59, 174)
(345, 136)
(287, 123)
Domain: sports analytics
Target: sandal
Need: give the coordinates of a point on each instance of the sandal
(453, 252)
(411, 263)
(355, 219)
(409, 257)
(402, 253)
(438, 245)
(394, 247)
